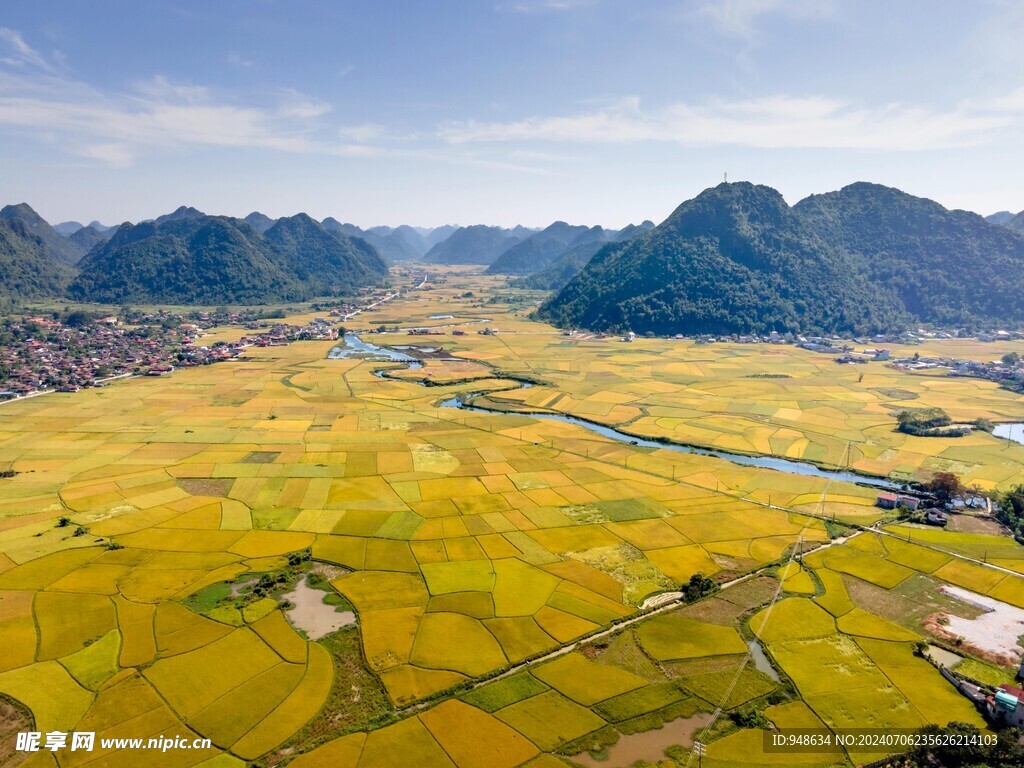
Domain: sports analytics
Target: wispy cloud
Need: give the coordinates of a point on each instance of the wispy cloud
(740, 18)
(540, 6)
(238, 60)
(777, 122)
(114, 128)
(157, 114)
(19, 54)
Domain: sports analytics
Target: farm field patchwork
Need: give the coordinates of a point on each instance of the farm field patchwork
(153, 526)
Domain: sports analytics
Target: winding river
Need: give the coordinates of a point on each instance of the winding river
(765, 462)
(1013, 432)
(354, 345)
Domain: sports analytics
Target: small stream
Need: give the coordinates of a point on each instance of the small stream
(353, 345)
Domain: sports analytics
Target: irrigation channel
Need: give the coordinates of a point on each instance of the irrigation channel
(353, 345)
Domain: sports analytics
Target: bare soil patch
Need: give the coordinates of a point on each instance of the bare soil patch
(204, 486)
(13, 720)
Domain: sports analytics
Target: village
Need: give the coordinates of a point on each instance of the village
(44, 354)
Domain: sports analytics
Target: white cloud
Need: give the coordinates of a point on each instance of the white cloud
(362, 133)
(295, 104)
(740, 18)
(112, 154)
(775, 122)
(113, 128)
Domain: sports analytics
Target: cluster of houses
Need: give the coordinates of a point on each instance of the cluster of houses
(1006, 706)
(42, 355)
(935, 512)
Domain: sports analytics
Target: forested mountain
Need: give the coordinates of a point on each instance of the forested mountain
(576, 256)
(326, 263)
(183, 213)
(1016, 223)
(68, 228)
(943, 267)
(259, 221)
(348, 230)
(1002, 218)
(49, 240)
(477, 244)
(216, 259)
(738, 259)
(87, 238)
(538, 251)
(28, 268)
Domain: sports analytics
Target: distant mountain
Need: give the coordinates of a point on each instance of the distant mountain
(1002, 218)
(738, 259)
(258, 221)
(348, 230)
(28, 267)
(101, 227)
(397, 243)
(52, 243)
(183, 213)
(402, 243)
(189, 259)
(436, 235)
(67, 228)
(538, 251)
(633, 230)
(576, 256)
(477, 244)
(87, 238)
(1016, 223)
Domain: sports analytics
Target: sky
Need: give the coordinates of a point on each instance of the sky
(502, 111)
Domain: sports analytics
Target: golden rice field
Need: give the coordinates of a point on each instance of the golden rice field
(465, 542)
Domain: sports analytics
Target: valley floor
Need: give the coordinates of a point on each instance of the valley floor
(153, 527)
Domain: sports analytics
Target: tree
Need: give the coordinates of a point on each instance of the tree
(1010, 359)
(1011, 510)
(698, 586)
(945, 485)
(77, 318)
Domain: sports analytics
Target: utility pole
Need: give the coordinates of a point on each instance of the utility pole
(700, 750)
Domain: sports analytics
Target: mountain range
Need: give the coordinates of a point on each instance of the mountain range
(189, 257)
(477, 244)
(739, 259)
(403, 243)
(539, 250)
(576, 255)
(735, 259)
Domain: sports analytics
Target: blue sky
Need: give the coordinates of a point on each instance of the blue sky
(502, 111)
